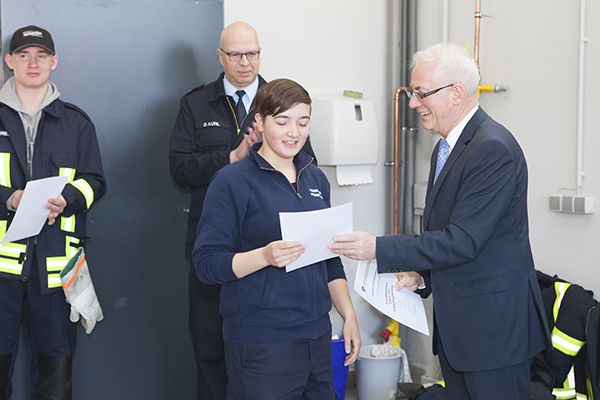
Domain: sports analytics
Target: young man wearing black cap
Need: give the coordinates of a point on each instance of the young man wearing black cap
(42, 136)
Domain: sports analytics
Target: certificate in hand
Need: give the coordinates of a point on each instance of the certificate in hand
(404, 306)
(316, 230)
(32, 213)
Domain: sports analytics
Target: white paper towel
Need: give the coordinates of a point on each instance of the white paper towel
(353, 175)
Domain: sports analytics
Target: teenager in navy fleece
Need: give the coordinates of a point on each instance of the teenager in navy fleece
(276, 324)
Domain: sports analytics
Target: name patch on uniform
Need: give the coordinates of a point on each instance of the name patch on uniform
(211, 123)
(315, 193)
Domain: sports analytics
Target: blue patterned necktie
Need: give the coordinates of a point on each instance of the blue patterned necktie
(442, 156)
(240, 110)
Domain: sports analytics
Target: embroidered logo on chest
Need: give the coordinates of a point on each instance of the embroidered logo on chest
(315, 193)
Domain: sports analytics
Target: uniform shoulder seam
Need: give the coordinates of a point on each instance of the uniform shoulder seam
(195, 89)
(74, 107)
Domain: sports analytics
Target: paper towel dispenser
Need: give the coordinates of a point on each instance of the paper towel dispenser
(343, 130)
(344, 134)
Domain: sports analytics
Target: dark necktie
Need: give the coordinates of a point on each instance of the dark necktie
(240, 110)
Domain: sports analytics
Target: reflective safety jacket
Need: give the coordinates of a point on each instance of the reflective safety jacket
(65, 145)
(567, 307)
(592, 365)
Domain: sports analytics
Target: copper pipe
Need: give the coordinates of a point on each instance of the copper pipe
(485, 88)
(396, 174)
(477, 21)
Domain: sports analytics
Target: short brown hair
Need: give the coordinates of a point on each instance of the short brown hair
(280, 95)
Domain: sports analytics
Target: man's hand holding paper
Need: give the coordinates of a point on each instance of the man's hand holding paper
(32, 208)
(410, 280)
(381, 291)
(357, 245)
(315, 229)
(56, 207)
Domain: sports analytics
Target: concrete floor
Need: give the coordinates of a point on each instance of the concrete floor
(351, 394)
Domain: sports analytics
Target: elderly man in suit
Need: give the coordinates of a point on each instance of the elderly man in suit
(474, 253)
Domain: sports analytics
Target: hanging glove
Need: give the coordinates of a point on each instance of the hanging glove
(79, 291)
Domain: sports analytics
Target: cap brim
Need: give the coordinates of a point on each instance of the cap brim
(32, 45)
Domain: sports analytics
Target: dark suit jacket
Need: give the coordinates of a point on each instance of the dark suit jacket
(474, 252)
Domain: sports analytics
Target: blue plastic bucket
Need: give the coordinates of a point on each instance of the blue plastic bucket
(340, 372)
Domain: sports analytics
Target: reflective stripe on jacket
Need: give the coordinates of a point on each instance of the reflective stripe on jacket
(65, 145)
(567, 307)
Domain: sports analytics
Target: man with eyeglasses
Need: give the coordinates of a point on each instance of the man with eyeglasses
(474, 253)
(215, 127)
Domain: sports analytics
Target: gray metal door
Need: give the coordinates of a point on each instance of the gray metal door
(127, 63)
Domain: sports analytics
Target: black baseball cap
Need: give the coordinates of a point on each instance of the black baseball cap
(31, 36)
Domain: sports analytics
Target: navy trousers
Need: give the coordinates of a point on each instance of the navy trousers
(206, 328)
(510, 382)
(297, 370)
(50, 332)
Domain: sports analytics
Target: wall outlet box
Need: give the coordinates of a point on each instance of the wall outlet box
(571, 204)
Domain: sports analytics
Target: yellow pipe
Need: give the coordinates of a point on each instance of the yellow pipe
(491, 88)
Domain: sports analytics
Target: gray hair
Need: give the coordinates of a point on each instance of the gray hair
(453, 64)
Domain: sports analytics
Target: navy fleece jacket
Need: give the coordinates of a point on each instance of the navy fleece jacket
(241, 213)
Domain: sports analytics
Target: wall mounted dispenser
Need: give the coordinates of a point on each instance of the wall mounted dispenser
(344, 134)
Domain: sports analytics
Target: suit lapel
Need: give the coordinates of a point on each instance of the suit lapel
(461, 144)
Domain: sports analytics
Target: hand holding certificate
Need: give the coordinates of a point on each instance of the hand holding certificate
(32, 212)
(378, 290)
(316, 230)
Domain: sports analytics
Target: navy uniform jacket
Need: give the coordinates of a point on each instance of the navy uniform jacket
(204, 134)
(474, 252)
(65, 144)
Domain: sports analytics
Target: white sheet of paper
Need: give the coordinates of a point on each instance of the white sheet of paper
(316, 230)
(404, 306)
(32, 213)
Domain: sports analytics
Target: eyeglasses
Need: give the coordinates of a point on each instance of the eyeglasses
(420, 96)
(235, 57)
